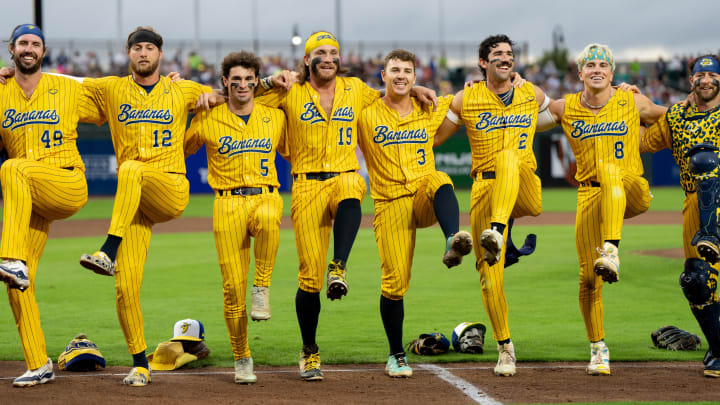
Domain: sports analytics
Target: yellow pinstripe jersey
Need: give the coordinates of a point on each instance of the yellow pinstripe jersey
(44, 126)
(316, 142)
(492, 127)
(680, 129)
(146, 127)
(611, 136)
(399, 150)
(239, 154)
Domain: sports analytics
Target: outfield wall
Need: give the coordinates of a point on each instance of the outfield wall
(553, 154)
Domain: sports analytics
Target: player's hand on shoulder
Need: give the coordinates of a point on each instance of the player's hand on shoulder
(426, 96)
(516, 80)
(629, 87)
(285, 79)
(174, 77)
(6, 72)
(208, 100)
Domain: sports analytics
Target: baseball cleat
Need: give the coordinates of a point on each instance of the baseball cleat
(40, 375)
(15, 274)
(492, 241)
(506, 360)
(138, 377)
(260, 310)
(599, 359)
(310, 364)
(712, 368)
(336, 285)
(397, 366)
(708, 251)
(457, 246)
(99, 262)
(244, 371)
(608, 265)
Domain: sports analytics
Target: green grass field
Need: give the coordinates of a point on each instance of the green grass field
(182, 280)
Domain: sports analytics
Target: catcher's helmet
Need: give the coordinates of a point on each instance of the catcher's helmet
(81, 354)
(465, 328)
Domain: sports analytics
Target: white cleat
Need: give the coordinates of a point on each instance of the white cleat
(608, 265)
(506, 360)
(599, 359)
(492, 241)
(260, 310)
(244, 371)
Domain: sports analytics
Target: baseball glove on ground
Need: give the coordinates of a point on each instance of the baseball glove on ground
(674, 338)
(429, 344)
(198, 349)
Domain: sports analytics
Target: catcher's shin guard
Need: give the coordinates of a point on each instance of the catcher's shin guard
(699, 282)
(703, 163)
(707, 317)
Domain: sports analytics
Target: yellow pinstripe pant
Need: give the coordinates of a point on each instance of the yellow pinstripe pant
(35, 194)
(145, 196)
(528, 201)
(314, 204)
(590, 223)
(235, 220)
(395, 223)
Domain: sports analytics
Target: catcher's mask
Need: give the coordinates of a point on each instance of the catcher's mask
(169, 356)
(462, 329)
(81, 354)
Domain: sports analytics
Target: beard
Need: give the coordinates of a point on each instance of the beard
(713, 94)
(146, 71)
(321, 75)
(25, 69)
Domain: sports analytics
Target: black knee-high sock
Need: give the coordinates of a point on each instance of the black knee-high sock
(707, 318)
(307, 308)
(345, 228)
(140, 360)
(446, 210)
(111, 245)
(393, 314)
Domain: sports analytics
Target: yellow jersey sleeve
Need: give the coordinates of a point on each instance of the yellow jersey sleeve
(657, 137)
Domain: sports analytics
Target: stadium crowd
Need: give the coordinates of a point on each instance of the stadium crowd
(664, 82)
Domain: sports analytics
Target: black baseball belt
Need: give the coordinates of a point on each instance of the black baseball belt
(245, 191)
(589, 184)
(321, 176)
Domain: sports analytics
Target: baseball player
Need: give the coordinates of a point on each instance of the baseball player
(601, 124)
(500, 121)
(396, 137)
(43, 180)
(322, 111)
(147, 115)
(241, 138)
(691, 132)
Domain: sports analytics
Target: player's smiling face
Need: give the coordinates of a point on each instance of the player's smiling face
(500, 62)
(706, 85)
(144, 58)
(324, 62)
(399, 77)
(596, 74)
(241, 84)
(27, 53)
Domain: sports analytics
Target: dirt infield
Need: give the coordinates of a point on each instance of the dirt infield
(361, 384)
(366, 384)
